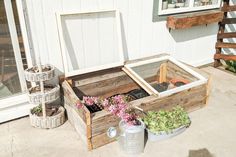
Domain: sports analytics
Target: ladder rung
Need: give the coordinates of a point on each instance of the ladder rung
(224, 57)
(225, 45)
(226, 35)
(229, 21)
(226, 8)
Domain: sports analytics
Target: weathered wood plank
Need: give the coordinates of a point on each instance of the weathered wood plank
(174, 71)
(101, 88)
(72, 99)
(76, 122)
(163, 73)
(225, 57)
(98, 78)
(184, 98)
(226, 35)
(101, 140)
(181, 22)
(225, 45)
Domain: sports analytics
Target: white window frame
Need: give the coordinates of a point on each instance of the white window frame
(17, 105)
(146, 86)
(190, 8)
(120, 61)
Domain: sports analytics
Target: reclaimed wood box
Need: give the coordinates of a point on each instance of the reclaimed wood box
(111, 75)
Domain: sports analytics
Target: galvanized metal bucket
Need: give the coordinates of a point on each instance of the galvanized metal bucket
(131, 139)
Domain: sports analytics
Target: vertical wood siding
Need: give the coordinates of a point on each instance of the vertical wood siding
(141, 36)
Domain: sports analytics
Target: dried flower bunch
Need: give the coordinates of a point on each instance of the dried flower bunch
(117, 105)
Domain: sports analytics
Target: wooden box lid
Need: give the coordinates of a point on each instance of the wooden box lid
(142, 70)
(90, 41)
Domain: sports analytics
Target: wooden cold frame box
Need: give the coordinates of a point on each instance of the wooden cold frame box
(106, 78)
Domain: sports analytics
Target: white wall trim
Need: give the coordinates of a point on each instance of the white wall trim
(15, 43)
(202, 62)
(15, 112)
(24, 31)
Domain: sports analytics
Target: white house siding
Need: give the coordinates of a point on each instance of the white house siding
(141, 36)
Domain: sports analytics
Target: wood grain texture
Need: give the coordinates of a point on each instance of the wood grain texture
(189, 99)
(225, 45)
(72, 100)
(174, 22)
(163, 73)
(174, 71)
(96, 125)
(225, 57)
(226, 35)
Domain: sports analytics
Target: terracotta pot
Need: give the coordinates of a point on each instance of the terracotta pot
(180, 80)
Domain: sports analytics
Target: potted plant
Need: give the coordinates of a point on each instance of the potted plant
(231, 66)
(44, 115)
(165, 124)
(180, 3)
(164, 4)
(54, 116)
(171, 4)
(131, 137)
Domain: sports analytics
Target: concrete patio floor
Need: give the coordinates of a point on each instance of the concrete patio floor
(213, 128)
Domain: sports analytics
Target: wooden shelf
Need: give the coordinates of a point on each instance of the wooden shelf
(194, 19)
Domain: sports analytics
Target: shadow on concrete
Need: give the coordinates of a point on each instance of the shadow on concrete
(200, 153)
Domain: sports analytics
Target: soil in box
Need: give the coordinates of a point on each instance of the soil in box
(35, 69)
(37, 89)
(117, 83)
(51, 110)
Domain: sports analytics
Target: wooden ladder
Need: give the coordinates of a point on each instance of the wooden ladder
(225, 35)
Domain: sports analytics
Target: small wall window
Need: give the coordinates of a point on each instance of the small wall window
(166, 7)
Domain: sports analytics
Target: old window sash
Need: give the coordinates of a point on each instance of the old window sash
(146, 86)
(120, 59)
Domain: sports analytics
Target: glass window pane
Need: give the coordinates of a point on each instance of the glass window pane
(174, 4)
(9, 79)
(198, 3)
(163, 75)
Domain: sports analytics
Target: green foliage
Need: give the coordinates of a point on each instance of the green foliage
(36, 110)
(231, 65)
(166, 120)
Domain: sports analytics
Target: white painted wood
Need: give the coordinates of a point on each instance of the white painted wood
(84, 37)
(13, 100)
(134, 27)
(52, 52)
(182, 88)
(154, 37)
(22, 21)
(15, 112)
(15, 43)
(146, 86)
(201, 80)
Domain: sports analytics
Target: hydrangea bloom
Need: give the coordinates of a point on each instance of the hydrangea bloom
(79, 105)
(117, 105)
(89, 100)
